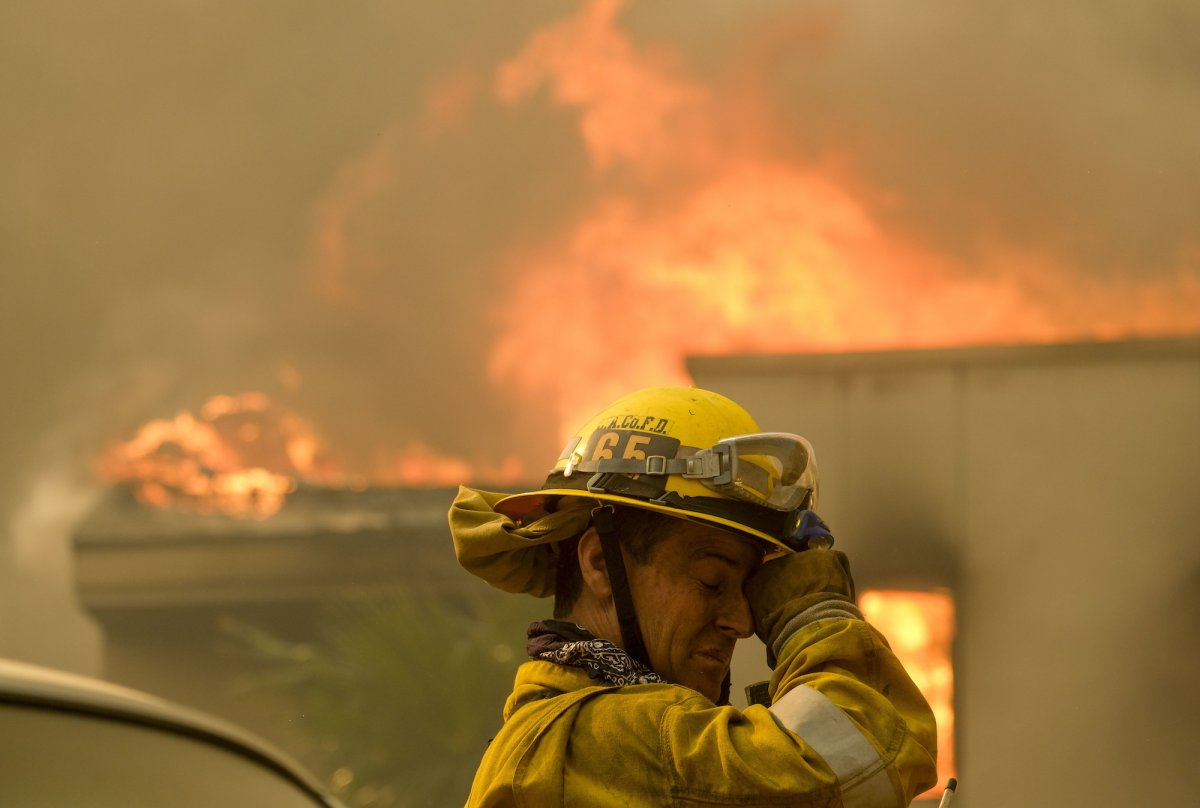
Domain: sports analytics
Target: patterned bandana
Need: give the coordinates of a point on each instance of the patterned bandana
(571, 644)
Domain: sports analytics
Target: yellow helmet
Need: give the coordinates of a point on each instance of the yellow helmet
(692, 454)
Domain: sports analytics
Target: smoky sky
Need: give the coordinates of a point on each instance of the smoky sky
(168, 167)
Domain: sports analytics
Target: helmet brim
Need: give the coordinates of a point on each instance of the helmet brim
(518, 506)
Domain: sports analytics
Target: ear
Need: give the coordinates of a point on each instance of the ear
(591, 565)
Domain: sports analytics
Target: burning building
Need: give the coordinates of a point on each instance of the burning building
(1015, 515)
(429, 241)
(1049, 492)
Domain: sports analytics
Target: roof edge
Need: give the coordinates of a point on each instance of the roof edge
(1180, 348)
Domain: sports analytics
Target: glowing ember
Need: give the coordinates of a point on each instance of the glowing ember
(920, 627)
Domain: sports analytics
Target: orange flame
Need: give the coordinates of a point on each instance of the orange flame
(720, 246)
(220, 462)
(920, 627)
(701, 233)
(243, 455)
(632, 106)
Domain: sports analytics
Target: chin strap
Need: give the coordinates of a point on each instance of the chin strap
(631, 632)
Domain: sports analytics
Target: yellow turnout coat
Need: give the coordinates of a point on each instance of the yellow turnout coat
(846, 727)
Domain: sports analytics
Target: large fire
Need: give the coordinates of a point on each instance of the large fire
(705, 239)
(700, 231)
(920, 628)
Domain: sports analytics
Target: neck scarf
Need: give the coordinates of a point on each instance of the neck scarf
(570, 644)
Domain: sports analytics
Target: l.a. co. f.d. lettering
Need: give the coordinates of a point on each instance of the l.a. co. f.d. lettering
(640, 423)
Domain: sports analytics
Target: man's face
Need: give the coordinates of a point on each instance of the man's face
(691, 605)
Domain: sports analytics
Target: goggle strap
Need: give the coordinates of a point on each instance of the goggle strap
(694, 467)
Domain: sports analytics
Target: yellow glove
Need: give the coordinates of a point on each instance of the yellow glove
(796, 589)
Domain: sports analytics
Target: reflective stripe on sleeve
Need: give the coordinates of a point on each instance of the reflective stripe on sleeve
(830, 732)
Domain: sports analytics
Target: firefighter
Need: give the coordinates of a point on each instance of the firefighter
(669, 528)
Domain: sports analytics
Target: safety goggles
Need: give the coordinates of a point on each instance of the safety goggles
(772, 469)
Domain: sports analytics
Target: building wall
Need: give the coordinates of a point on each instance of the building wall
(170, 590)
(1054, 489)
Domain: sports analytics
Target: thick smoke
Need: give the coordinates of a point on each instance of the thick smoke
(1063, 129)
(207, 198)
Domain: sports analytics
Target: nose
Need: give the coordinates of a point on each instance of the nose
(735, 618)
